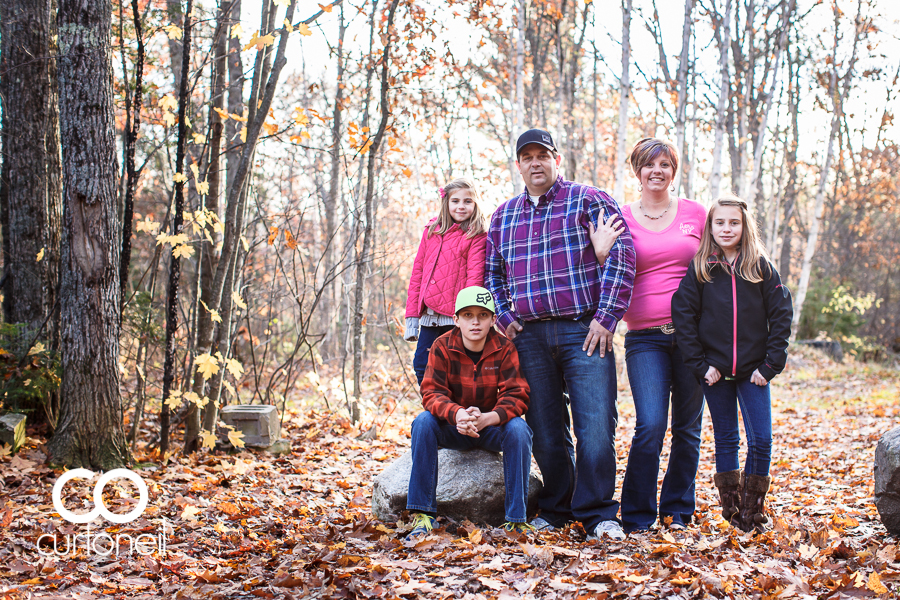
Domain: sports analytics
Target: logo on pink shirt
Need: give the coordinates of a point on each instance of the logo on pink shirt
(686, 228)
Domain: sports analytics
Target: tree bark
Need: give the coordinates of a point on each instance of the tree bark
(624, 94)
(90, 432)
(722, 29)
(681, 86)
(363, 259)
(838, 96)
(31, 192)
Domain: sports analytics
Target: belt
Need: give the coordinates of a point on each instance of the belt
(668, 328)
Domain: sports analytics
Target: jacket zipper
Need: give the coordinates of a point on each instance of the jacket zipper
(734, 323)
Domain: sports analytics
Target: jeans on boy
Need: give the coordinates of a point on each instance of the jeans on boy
(429, 433)
(552, 359)
(655, 370)
(427, 335)
(756, 408)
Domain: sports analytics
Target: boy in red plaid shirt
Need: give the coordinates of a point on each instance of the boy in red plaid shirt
(474, 397)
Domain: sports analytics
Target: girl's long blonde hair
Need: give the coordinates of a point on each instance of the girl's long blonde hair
(751, 248)
(476, 224)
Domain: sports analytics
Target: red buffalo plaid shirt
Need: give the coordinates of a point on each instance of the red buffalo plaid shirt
(453, 382)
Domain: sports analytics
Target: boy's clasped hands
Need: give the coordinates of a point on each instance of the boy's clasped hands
(471, 420)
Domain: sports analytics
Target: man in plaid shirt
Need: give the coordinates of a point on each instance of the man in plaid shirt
(560, 291)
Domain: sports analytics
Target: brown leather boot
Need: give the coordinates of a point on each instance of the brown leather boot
(753, 504)
(729, 484)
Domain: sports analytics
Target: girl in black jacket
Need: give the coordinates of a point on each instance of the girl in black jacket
(732, 318)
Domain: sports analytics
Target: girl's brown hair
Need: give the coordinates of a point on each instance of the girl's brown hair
(476, 224)
(646, 151)
(751, 249)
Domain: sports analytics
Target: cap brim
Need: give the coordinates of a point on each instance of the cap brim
(547, 146)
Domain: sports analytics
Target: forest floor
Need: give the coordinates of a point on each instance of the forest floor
(251, 525)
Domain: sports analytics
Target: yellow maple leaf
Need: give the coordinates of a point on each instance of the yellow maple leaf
(208, 439)
(326, 7)
(271, 128)
(203, 189)
(190, 512)
(215, 316)
(236, 30)
(36, 349)
(228, 387)
(288, 26)
(148, 225)
(199, 138)
(221, 113)
(303, 29)
(195, 170)
(207, 365)
(178, 239)
(174, 400)
(173, 31)
(5, 450)
(236, 438)
(168, 102)
(236, 298)
(179, 178)
(40, 255)
(169, 119)
(234, 367)
(182, 251)
(244, 134)
(875, 584)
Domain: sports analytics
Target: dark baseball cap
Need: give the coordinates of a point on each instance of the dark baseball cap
(535, 136)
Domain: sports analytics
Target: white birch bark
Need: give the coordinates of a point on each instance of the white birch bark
(838, 98)
(624, 93)
(681, 86)
(723, 36)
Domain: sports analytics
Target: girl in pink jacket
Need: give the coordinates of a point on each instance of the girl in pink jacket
(450, 258)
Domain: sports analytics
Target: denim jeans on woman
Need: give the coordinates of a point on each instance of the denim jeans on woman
(755, 401)
(657, 373)
(554, 364)
(429, 433)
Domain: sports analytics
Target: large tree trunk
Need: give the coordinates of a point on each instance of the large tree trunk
(32, 198)
(624, 93)
(90, 432)
(681, 86)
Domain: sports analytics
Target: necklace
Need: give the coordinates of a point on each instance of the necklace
(660, 216)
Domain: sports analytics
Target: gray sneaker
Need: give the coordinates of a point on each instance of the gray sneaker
(611, 529)
(541, 524)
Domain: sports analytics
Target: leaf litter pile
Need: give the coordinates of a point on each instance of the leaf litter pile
(300, 526)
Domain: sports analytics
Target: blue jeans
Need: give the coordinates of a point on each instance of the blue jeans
(656, 371)
(427, 335)
(723, 398)
(576, 485)
(429, 433)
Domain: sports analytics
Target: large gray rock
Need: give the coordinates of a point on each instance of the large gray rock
(470, 486)
(258, 422)
(887, 480)
(12, 430)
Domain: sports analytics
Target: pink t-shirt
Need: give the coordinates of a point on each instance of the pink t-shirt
(662, 260)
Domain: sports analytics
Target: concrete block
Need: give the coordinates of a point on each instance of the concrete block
(12, 430)
(258, 422)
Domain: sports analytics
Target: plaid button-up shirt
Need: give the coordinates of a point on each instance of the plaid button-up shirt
(540, 261)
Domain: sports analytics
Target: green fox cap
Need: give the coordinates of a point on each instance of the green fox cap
(475, 296)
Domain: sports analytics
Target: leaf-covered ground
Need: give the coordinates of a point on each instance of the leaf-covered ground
(299, 526)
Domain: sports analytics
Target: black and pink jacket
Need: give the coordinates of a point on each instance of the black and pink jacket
(732, 324)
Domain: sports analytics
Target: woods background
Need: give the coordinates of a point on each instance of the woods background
(207, 204)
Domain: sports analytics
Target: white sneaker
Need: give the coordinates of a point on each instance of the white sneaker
(541, 524)
(611, 529)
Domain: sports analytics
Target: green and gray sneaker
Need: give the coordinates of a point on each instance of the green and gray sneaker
(422, 525)
(518, 527)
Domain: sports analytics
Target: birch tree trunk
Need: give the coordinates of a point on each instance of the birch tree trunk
(838, 96)
(681, 86)
(517, 127)
(722, 29)
(30, 184)
(624, 94)
(90, 432)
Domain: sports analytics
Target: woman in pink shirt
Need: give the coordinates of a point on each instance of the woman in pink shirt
(666, 232)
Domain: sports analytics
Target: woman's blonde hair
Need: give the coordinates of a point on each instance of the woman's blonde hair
(476, 224)
(646, 151)
(751, 249)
